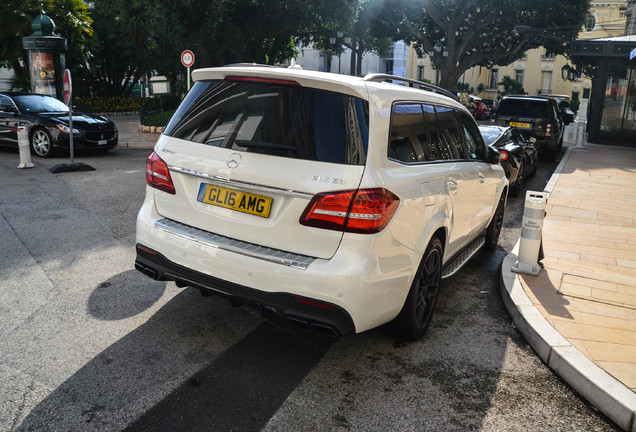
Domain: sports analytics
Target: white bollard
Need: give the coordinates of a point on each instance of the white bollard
(581, 140)
(531, 229)
(23, 146)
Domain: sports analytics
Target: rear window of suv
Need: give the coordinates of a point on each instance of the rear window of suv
(523, 108)
(276, 119)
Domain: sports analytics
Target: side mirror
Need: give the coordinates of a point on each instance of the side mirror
(494, 156)
(564, 104)
(568, 118)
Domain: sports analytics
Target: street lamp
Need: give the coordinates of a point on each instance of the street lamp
(437, 53)
(569, 73)
(334, 39)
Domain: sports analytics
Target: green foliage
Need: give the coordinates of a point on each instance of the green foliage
(156, 119)
(481, 32)
(465, 88)
(510, 86)
(111, 104)
(72, 20)
(574, 105)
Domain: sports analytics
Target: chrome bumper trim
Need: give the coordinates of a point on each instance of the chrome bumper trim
(207, 238)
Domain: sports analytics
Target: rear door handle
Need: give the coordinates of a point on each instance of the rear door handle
(452, 185)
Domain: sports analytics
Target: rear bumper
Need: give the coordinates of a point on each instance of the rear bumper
(286, 308)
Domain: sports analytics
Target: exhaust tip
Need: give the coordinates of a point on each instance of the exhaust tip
(150, 272)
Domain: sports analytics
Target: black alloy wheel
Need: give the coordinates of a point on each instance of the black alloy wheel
(416, 314)
(515, 188)
(494, 228)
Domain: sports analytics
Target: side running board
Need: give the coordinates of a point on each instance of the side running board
(458, 262)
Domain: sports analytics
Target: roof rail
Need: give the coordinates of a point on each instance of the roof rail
(378, 77)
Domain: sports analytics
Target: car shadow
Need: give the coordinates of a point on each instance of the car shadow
(196, 364)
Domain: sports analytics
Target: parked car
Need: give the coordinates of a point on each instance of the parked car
(482, 112)
(331, 202)
(49, 120)
(536, 117)
(519, 156)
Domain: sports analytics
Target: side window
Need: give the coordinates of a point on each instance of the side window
(474, 142)
(449, 131)
(407, 126)
(435, 149)
(4, 103)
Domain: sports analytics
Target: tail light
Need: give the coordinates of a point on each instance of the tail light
(157, 174)
(548, 130)
(364, 211)
(503, 155)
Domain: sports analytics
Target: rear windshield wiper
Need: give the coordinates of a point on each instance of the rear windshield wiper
(263, 144)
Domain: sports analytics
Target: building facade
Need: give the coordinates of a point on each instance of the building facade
(538, 71)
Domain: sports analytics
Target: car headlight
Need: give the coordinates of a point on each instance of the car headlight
(66, 129)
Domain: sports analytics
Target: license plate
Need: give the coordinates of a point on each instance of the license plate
(102, 142)
(521, 125)
(243, 202)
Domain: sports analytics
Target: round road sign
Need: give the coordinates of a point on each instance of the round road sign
(67, 86)
(187, 58)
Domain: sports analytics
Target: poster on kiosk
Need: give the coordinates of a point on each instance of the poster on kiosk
(43, 72)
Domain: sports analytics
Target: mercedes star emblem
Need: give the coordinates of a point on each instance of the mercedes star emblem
(234, 160)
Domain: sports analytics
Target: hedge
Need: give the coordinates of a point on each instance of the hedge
(111, 104)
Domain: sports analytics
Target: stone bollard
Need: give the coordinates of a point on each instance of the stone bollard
(531, 229)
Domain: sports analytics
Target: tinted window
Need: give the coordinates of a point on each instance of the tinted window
(523, 108)
(474, 142)
(5, 102)
(449, 131)
(276, 119)
(39, 104)
(407, 126)
(436, 148)
(490, 134)
(416, 135)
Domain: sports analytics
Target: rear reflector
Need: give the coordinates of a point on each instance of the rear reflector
(364, 211)
(157, 174)
(314, 303)
(261, 80)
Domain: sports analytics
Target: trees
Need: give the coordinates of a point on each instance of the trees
(510, 86)
(261, 31)
(72, 20)
(480, 32)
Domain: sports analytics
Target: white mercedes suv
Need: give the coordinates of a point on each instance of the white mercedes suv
(331, 202)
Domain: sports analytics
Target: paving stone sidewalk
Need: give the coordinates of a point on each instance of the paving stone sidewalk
(579, 313)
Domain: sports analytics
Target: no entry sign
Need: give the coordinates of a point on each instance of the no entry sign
(67, 87)
(187, 58)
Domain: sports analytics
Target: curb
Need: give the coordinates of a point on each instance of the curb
(601, 389)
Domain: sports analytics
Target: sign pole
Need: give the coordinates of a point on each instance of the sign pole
(68, 100)
(187, 60)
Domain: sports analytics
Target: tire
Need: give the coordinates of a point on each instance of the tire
(494, 228)
(41, 143)
(515, 188)
(416, 314)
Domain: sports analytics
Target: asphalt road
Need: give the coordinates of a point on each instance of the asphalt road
(90, 344)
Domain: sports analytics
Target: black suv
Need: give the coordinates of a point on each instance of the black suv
(536, 117)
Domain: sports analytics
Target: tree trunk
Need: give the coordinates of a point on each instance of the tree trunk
(359, 60)
(354, 56)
